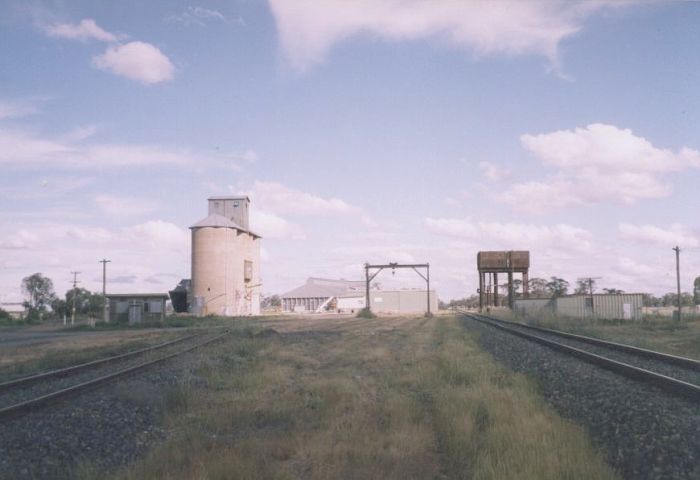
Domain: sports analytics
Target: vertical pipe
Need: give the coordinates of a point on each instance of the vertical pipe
(526, 285)
(481, 291)
(428, 281)
(367, 305)
(495, 289)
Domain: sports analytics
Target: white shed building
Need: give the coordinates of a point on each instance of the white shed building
(624, 306)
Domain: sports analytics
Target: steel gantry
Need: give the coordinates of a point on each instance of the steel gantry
(393, 266)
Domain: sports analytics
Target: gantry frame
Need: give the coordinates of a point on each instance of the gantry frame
(394, 266)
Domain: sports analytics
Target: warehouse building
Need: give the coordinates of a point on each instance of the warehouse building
(390, 301)
(349, 296)
(625, 306)
(136, 307)
(225, 260)
(320, 294)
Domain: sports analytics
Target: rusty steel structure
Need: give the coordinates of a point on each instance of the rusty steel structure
(490, 264)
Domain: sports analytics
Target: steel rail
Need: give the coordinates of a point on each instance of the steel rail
(28, 380)
(35, 403)
(664, 382)
(642, 352)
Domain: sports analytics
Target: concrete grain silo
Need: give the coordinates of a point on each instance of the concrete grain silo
(225, 260)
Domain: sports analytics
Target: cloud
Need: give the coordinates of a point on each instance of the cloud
(25, 149)
(272, 226)
(124, 206)
(157, 234)
(513, 235)
(308, 29)
(494, 172)
(596, 164)
(17, 108)
(280, 199)
(200, 16)
(137, 61)
(675, 234)
(85, 30)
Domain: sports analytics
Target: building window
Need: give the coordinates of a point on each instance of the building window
(155, 306)
(145, 307)
(235, 204)
(247, 270)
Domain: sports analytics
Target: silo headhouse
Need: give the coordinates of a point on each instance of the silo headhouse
(225, 260)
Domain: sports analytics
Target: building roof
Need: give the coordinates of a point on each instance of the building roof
(229, 197)
(138, 295)
(219, 221)
(325, 288)
(14, 307)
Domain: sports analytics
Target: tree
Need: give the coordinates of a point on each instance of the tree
(86, 302)
(696, 291)
(649, 300)
(585, 287)
(538, 287)
(271, 301)
(613, 291)
(39, 289)
(557, 286)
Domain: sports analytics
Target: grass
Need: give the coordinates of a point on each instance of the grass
(64, 357)
(392, 399)
(653, 332)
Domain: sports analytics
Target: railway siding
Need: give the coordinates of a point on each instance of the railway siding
(646, 433)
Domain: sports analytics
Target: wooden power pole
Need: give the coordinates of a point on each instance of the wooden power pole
(677, 249)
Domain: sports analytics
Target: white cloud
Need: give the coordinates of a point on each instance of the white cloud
(272, 226)
(200, 16)
(17, 108)
(86, 29)
(494, 172)
(138, 253)
(124, 206)
(675, 234)
(24, 149)
(280, 199)
(596, 164)
(308, 29)
(138, 61)
(492, 235)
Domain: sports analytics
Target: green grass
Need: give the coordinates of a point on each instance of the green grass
(653, 332)
(402, 400)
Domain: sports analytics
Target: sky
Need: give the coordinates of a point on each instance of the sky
(368, 131)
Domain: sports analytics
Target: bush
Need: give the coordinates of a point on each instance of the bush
(366, 313)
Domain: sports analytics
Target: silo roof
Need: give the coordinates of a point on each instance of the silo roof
(219, 221)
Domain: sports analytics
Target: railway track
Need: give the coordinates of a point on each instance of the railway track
(670, 373)
(21, 395)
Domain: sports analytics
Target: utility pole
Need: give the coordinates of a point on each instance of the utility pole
(75, 292)
(105, 305)
(677, 249)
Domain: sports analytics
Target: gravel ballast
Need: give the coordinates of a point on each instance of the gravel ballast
(647, 434)
(105, 428)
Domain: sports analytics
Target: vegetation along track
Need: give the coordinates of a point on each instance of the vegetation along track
(673, 374)
(23, 394)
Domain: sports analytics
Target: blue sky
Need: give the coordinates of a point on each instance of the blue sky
(384, 130)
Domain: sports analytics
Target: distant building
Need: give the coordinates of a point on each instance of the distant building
(16, 310)
(136, 307)
(320, 294)
(225, 260)
(390, 301)
(624, 306)
(348, 296)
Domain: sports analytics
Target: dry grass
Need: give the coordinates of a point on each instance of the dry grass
(656, 333)
(396, 398)
(64, 351)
